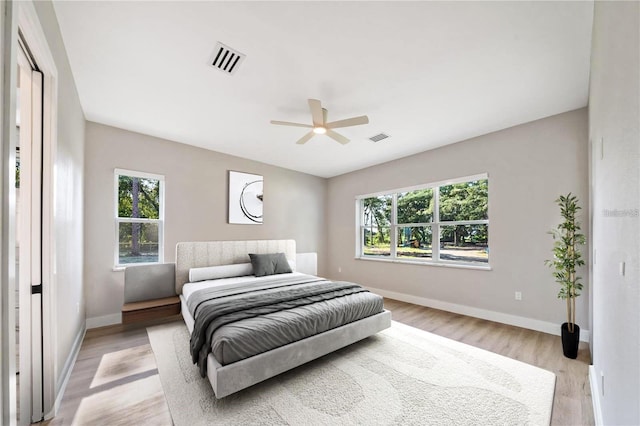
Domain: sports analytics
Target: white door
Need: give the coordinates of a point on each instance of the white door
(29, 239)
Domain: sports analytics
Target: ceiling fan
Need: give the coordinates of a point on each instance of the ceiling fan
(320, 125)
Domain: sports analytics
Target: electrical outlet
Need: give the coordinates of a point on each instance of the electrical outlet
(339, 269)
(622, 268)
(518, 295)
(78, 308)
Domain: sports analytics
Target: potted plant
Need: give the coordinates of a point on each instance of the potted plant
(566, 258)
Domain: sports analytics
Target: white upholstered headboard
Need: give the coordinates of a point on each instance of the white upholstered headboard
(213, 253)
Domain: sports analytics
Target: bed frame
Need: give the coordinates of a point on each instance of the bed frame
(228, 379)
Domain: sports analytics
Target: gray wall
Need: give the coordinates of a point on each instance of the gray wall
(68, 311)
(528, 166)
(614, 116)
(196, 186)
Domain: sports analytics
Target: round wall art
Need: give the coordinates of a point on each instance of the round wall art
(245, 198)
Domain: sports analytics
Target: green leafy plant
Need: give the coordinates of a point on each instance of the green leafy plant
(567, 256)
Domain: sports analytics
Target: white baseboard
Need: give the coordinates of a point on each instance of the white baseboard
(103, 321)
(595, 395)
(518, 321)
(66, 373)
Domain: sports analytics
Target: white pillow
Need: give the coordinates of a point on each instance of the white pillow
(292, 264)
(217, 272)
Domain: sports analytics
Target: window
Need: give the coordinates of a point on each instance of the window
(445, 223)
(139, 217)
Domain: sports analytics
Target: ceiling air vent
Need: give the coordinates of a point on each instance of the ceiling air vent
(378, 137)
(226, 59)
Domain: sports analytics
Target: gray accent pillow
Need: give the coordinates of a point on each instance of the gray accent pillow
(269, 264)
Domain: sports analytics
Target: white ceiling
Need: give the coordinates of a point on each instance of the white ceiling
(426, 73)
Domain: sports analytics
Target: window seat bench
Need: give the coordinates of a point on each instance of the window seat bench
(150, 309)
(149, 293)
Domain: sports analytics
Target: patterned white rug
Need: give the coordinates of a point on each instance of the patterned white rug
(400, 376)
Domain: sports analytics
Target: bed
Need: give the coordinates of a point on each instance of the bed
(233, 368)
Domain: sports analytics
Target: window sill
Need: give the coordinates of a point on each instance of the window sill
(120, 268)
(426, 263)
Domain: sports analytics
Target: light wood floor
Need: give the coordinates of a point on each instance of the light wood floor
(115, 379)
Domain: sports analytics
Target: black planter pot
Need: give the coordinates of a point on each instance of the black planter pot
(570, 341)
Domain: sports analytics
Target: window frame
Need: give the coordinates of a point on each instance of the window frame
(118, 220)
(435, 225)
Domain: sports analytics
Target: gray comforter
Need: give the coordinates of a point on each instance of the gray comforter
(253, 318)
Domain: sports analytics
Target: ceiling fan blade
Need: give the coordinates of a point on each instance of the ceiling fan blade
(288, 123)
(337, 137)
(354, 121)
(316, 112)
(305, 138)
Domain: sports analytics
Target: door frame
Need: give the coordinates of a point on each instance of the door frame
(33, 34)
(21, 15)
(8, 74)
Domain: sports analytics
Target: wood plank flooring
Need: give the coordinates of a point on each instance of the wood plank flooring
(115, 380)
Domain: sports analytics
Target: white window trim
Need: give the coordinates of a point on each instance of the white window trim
(435, 226)
(425, 185)
(118, 220)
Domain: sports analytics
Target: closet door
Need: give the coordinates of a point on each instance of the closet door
(29, 240)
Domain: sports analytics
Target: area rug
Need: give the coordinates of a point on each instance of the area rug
(400, 376)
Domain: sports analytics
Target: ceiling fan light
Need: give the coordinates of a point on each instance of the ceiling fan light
(319, 130)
